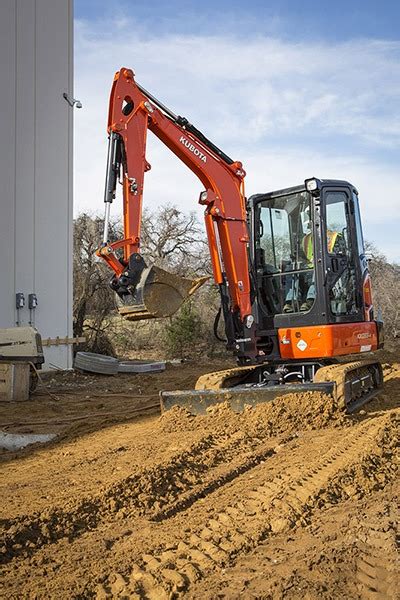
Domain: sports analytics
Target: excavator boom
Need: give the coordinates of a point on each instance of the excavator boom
(132, 112)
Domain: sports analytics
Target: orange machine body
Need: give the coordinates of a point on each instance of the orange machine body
(325, 341)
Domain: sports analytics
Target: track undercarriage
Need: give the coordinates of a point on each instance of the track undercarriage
(350, 384)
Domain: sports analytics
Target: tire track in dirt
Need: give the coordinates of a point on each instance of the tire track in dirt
(157, 493)
(273, 506)
(378, 564)
(236, 444)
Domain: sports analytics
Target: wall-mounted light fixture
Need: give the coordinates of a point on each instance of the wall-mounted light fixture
(72, 101)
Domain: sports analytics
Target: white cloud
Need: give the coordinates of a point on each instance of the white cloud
(376, 184)
(287, 110)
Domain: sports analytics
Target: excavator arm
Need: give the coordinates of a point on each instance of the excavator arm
(132, 112)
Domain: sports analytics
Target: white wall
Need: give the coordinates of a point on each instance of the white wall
(36, 67)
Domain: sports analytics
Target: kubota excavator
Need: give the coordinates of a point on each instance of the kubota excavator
(290, 266)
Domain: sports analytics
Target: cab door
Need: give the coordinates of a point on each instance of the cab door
(341, 255)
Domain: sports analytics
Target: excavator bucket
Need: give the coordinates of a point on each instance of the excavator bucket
(158, 294)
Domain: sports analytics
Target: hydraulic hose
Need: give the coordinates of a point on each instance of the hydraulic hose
(216, 323)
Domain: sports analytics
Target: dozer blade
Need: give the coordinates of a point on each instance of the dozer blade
(158, 294)
(350, 384)
(230, 386)
(198, 401)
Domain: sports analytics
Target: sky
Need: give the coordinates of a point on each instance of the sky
(293, 89)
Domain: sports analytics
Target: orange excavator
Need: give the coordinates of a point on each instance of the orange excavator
(290, 266)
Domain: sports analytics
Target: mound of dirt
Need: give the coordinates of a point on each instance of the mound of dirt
(286, 414)
(177, 419)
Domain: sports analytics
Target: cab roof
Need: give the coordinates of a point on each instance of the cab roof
(301, 188)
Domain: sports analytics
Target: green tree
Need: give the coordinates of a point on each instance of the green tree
(183, 332)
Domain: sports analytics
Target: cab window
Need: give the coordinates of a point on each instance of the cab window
(341, 264)
(285, 250)
(360, 238)
(337, 232)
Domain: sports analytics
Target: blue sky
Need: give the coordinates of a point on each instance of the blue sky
(293, 89)
(299, 19)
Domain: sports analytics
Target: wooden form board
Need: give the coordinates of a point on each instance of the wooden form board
(14, 382)
(59, 341)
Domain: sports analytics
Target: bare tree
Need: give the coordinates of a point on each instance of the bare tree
(170, 239)
(175, 241)
(385, 279)
(93, 299)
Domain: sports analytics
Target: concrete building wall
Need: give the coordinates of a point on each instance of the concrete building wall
(36, 68)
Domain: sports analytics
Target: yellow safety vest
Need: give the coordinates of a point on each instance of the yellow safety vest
(331, 237)
(308, 247)
(308, 244)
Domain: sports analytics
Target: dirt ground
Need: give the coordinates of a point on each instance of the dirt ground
(291, 499)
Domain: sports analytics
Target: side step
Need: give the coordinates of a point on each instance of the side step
(197, 401)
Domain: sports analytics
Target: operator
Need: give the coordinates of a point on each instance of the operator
(308, 279)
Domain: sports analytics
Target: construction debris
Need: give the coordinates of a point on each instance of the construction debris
(108, 365)
(12, 441)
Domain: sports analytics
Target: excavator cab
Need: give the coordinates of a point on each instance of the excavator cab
(308, 254)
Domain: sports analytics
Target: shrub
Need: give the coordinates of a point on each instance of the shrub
(183, 332)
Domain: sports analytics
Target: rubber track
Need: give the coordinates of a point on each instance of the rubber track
(338, 373)
(270, 507)
(218, 379)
